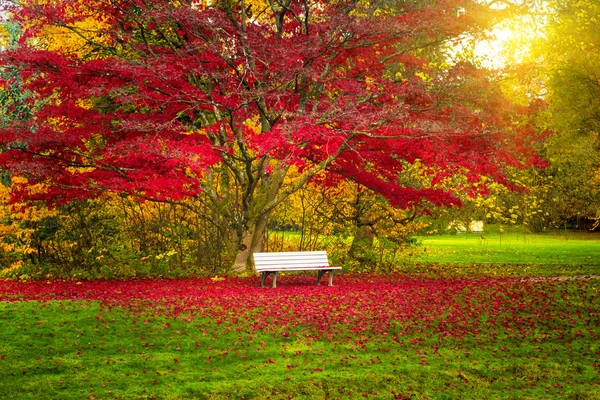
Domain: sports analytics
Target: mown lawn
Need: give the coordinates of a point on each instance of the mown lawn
(512, 252)
(551, 253)
(367, 337)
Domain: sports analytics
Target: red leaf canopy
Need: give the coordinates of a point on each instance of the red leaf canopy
(168, 90)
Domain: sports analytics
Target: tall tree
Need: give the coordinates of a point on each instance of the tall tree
(175, 98)
(574, 91)
(562, 68)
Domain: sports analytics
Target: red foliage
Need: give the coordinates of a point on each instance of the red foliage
(171, 86)
(365, 308)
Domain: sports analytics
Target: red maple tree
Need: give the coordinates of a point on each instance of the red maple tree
(175, 98)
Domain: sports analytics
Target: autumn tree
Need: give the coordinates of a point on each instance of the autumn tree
(179, 98)
(573, 56)
(558, 67)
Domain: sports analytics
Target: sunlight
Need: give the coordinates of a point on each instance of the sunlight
(506, 44)
(510, 41)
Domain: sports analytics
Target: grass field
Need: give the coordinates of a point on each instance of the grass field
(514, 248)
(367, 337)
(514, 252)
(473, 319)
(552, 253)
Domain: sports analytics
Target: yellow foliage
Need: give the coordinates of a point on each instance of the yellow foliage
(254, 124)
(71, 40)
(331, 217)
(424, 77)
(78, 39)
(80, 170)
(15, 237)
(85, 103)
(13, 267)
(3, 37)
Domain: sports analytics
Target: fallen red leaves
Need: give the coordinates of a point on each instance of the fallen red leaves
(363, 308)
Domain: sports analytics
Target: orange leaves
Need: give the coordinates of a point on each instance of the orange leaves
(16, 232)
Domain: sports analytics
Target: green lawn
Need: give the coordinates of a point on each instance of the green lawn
(548, 253)
(463, 334)
(379, 337)
(514, 252)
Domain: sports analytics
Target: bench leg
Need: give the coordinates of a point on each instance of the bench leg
(264, 275)
(263, 278)
(322, 272)
(319, 276)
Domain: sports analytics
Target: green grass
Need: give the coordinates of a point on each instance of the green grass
(515, 252)
(83, 349)
(552, 253)
(534, 339)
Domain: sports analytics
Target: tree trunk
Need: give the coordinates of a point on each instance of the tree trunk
(244, 251)
(253, 236)
(362, 242)
(259, 234)
(251, 243)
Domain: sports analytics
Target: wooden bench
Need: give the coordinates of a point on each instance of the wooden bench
(272, 263)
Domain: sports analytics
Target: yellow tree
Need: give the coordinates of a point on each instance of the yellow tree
(352, 222)
(18, 227)
(562, 68)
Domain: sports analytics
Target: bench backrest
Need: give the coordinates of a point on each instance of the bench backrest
(290, 261)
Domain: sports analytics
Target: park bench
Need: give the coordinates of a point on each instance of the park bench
(272, 263)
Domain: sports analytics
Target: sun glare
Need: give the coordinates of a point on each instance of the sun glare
(510, 41)
(505, 45)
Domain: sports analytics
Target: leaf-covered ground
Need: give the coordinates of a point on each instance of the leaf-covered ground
(368, 336)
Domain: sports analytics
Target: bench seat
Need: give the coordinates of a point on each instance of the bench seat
(272, 263)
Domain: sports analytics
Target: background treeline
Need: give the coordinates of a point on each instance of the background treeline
(116, 236)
